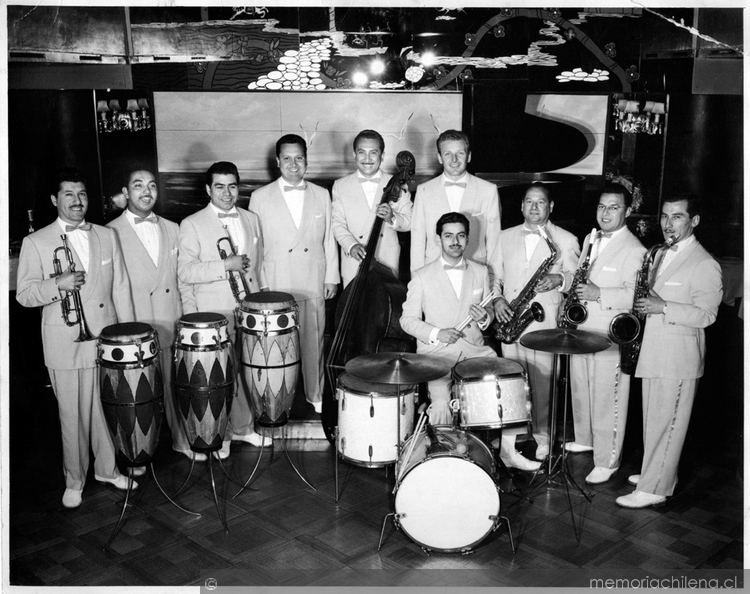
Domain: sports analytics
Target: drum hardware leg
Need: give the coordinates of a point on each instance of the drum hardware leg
(187, 478)
(216, 497)
(252, 474)
(122, 514)
(382, 529)
(510, 531)
(286, 451)
(336, 465)
(156, 480)
(426, 550)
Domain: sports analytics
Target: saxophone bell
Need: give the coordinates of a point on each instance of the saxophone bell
(624, 328)
(575, 314)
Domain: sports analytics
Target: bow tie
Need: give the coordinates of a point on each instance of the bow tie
(375, 180)
(301, 186)
(604, 234)
(531, 231)
(139, 220)
(81, 227)
(449, 184)
(229, 215)
(459, 266)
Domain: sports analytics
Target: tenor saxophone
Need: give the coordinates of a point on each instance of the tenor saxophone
(572, 311)
(524, 309)
(626, 329)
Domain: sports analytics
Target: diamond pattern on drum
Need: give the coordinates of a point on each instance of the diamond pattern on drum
(107, 394)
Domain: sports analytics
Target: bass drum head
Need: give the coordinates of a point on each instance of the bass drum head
(447, 503)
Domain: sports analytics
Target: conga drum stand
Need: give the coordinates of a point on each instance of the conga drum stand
(562, 342)
(132, 398)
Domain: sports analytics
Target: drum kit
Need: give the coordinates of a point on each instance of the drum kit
(446, 494)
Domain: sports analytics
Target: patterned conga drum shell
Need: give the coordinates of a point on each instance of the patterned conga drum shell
(131, 388)
(269, 327)
(204, 378)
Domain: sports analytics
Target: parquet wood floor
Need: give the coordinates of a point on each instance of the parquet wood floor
(282, 533)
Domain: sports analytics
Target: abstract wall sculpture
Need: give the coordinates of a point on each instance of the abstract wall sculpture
(297, 48)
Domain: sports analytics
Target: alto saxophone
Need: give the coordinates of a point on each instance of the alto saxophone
(572, 311)
(626, 329)
(524, 310)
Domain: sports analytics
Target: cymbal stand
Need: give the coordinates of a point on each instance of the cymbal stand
(556, 463)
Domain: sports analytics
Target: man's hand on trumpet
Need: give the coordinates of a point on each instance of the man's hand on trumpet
(71, 281)
(238, 263)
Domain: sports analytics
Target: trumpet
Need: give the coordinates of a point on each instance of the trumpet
(233, 283)
(71, 304)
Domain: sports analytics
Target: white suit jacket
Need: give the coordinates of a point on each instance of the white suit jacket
(674, 344)
(297, 261)
(353, 220)
(480, 204)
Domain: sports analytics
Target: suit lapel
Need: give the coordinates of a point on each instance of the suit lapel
(163, 252)
(95, 264)
(467, 290)
(674, 265)
(468, 200)
(308, 210)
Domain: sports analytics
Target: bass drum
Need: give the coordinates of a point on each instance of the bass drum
(446, 496)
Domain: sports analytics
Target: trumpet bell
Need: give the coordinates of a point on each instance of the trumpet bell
(624, 328)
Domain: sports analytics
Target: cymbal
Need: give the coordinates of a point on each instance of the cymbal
(397, 368)
(565, 341)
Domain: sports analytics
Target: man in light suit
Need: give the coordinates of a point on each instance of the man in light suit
(102, 283)
(356, 203)
(439, 297)
(455, 190)
(684, 300)
(300, 252)
(524, 252)
(600, 390)
(204, 276)
(149, 248)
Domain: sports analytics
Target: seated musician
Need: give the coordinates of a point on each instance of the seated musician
(440, 295)
(101, 281)
(204, 275)
(356, 203)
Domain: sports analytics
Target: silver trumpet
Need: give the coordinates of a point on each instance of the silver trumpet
(71, 304)
(233, 283)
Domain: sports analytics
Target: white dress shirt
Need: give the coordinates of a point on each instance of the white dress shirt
(369, 186)
(79, 241)
(603, 242)
(294, 200)
(148, 233)
(672, 252)
(455, 193)
(234, 228)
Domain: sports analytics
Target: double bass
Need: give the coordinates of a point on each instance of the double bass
(368, 313)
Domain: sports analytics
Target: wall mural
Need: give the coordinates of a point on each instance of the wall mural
(390, 48)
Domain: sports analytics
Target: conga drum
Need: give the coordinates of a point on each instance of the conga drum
(131, 388)
(204, 378)
(269, 325)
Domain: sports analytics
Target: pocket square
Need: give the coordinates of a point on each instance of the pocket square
(609, 269)
(108, 261)
(255, 240)
(317, 216)
(478, 291)
(477, 214)
(672, 284)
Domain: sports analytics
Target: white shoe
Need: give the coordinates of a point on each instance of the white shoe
(71, 498)
(224, 452)
(640, 499)
(633, 479)
(121, 482)
(139, 470)
(600, 475)
(574, 447)
(254, 439)
(514, 459)
(541, 452)
(199, 457)
(318, 406)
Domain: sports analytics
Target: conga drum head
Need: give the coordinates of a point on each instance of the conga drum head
(126, 332)
(203, 319)
(482, 367)
(268, 300)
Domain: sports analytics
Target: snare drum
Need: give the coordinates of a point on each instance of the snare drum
(446, 496)
(132, 388)
(270, 354)
(204, 378)
(368, 420)
(492, 392)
